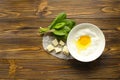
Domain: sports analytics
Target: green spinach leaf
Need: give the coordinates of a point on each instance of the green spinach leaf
(58, 19)
(59, 25)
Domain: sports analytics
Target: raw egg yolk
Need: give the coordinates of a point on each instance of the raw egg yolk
(83, 42)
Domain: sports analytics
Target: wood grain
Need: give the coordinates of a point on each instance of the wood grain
(22, 55)
(61, 69)
(75, 9)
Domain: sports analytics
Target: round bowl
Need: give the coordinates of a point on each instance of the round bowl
(94, 54)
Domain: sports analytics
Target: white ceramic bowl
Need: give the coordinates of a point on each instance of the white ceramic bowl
(96, 53)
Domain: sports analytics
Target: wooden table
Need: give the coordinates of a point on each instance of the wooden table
(22, 55)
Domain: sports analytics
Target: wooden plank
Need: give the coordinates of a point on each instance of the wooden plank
(81, 9)
(25, 9)
(15, 25)
(30, 27)
(102, 68)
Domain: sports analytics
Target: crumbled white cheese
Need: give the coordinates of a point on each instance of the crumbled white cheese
(65, 50)
(61, 43)
(50, 47)
(55, 42)
(57, 49)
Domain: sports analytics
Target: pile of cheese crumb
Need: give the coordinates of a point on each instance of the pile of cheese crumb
(58, 46)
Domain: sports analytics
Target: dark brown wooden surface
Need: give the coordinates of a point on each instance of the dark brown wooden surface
(22, 56)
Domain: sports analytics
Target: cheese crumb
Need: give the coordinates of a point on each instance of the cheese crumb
(55, 42)
(50, 48)
(61, 43)
(57, 49)
(65, 51)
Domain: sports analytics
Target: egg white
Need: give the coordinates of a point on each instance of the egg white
(93, 44)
